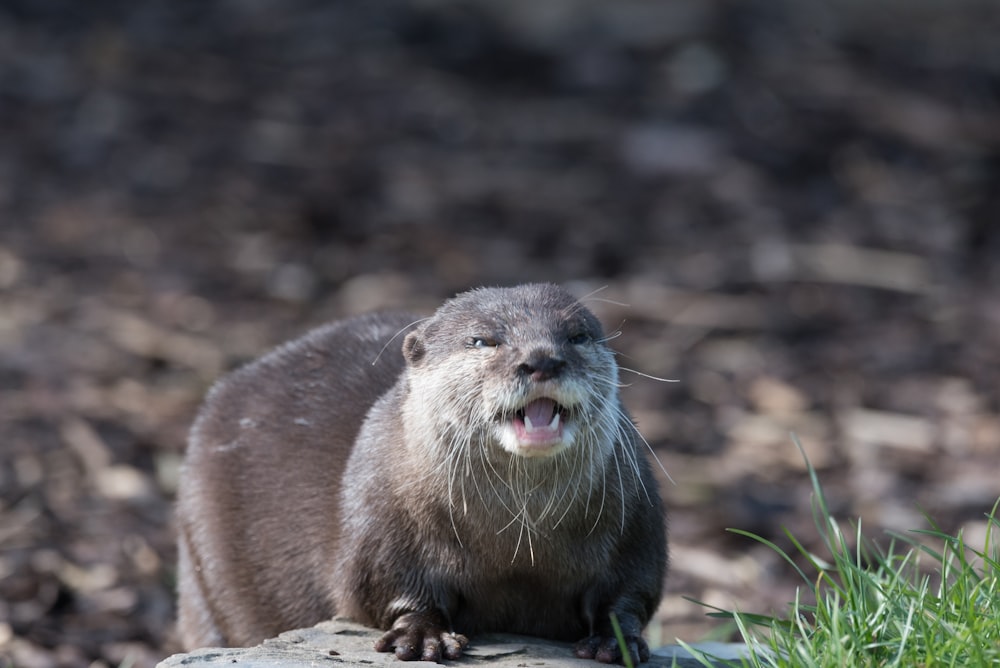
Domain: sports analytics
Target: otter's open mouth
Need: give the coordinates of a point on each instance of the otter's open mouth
(540, 423)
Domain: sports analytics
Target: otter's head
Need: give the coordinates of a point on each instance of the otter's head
(521, 370)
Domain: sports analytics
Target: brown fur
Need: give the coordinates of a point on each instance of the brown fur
(318, 483)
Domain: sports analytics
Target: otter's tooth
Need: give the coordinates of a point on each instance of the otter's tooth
(553, 425)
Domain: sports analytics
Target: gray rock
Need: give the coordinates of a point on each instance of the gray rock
(340, 644)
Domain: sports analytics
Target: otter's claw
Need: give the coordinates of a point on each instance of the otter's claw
(418, 636)
(606, 649)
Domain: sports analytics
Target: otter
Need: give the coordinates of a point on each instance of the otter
(481, 477)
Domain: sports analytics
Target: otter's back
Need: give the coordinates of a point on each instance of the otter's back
(269, 431)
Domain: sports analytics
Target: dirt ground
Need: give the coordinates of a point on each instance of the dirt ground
(790, 207)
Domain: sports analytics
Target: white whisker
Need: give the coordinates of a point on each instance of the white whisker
(610, 337)
(393, 338)
(651, 377)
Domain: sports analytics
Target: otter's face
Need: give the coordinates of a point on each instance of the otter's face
(522, 369)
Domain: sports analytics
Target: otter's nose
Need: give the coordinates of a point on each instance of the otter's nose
(541, 366)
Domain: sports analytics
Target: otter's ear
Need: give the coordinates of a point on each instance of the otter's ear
(413, 347)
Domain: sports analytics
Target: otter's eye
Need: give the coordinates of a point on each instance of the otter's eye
(579, 338)
(482, 342)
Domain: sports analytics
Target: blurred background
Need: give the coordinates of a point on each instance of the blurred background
(792, 207)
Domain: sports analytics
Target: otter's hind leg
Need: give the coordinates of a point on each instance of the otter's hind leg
(195, 621)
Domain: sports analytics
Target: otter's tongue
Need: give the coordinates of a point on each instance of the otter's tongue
(541, 422)
(540, 412)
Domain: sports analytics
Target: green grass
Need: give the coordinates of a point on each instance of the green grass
(928, 599)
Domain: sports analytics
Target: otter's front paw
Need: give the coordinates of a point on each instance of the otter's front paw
(606, 649)
(417, 635)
